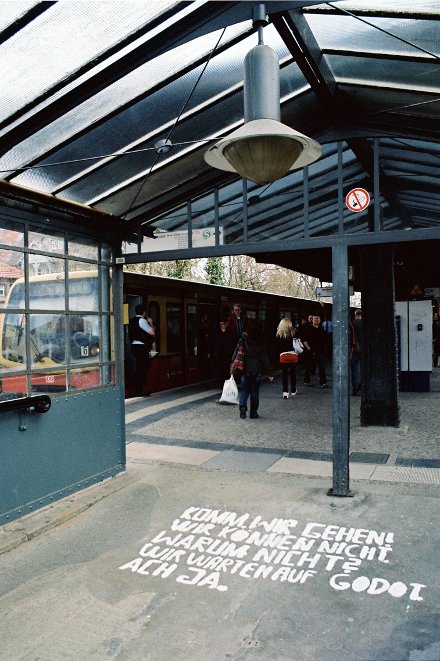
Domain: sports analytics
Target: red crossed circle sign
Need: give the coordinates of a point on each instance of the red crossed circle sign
(357, 199)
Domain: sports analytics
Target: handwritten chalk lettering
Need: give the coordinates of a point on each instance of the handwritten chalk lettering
(347, 567)
(280, 526)
(201, 578)
(288, 558)
(355, 550)
(355, 535)
(376, 586)
(139, 566)
(204, 546)
(272, 540)
(215, 516)
(192, 526)
(157, 552)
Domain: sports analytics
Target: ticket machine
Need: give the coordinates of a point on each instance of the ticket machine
(414, 334)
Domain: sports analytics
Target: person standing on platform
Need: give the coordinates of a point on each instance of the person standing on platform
(141, 336)
(256, 363)
(283, 340)
(315, 345)
(238, 323)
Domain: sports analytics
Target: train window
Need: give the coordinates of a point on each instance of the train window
(191, 329)
(154, 312)
(226, 311)
(251, 314)
(175, 335)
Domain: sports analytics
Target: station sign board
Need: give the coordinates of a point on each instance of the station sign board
(201, 238)
(327, 292)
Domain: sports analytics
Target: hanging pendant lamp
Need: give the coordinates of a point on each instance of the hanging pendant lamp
(263, 149)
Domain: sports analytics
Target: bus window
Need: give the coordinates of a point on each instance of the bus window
(153, 311)
(174, 327)
(84, 338)
(83, 291)
(47, 339)
(13, 345)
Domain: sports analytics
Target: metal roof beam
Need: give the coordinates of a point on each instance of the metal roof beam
(297, 244)
(382, 55)
(301, 42)
(375, 13)
(24, 20)
(88, 66)
(200, 21)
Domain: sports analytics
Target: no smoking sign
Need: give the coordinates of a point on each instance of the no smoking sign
(357, 199)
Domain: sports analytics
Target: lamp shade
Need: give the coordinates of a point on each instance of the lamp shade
(263, 150)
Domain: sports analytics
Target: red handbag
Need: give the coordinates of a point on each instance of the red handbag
(288, 357)
(237, 365)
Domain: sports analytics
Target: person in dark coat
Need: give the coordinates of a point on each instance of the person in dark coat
(256, 364)
(237, 324)
(315, 345)
(141, 336)
(223, 350)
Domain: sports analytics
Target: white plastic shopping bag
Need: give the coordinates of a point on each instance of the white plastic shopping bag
(230, 392)
(297, 345)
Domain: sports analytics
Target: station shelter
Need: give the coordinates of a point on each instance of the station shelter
(108, 112)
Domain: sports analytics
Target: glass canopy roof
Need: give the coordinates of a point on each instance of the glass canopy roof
(89, 88)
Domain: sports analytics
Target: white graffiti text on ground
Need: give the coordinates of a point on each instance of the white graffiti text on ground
(203, 547)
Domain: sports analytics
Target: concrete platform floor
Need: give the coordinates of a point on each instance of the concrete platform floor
(190, 564)
(220, 542)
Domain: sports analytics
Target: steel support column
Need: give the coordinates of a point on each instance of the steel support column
(379, 404)
(341, 401)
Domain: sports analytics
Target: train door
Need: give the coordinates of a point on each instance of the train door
(171, 365)
(207, 324)
(129, 363)
(191, 348)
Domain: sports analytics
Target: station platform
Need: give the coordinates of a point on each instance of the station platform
(294, 436)
(220, 542)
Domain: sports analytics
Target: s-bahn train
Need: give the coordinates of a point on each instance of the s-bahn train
(50, 349)
(181, 309)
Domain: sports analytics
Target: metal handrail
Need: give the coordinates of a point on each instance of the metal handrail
(39, 403)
